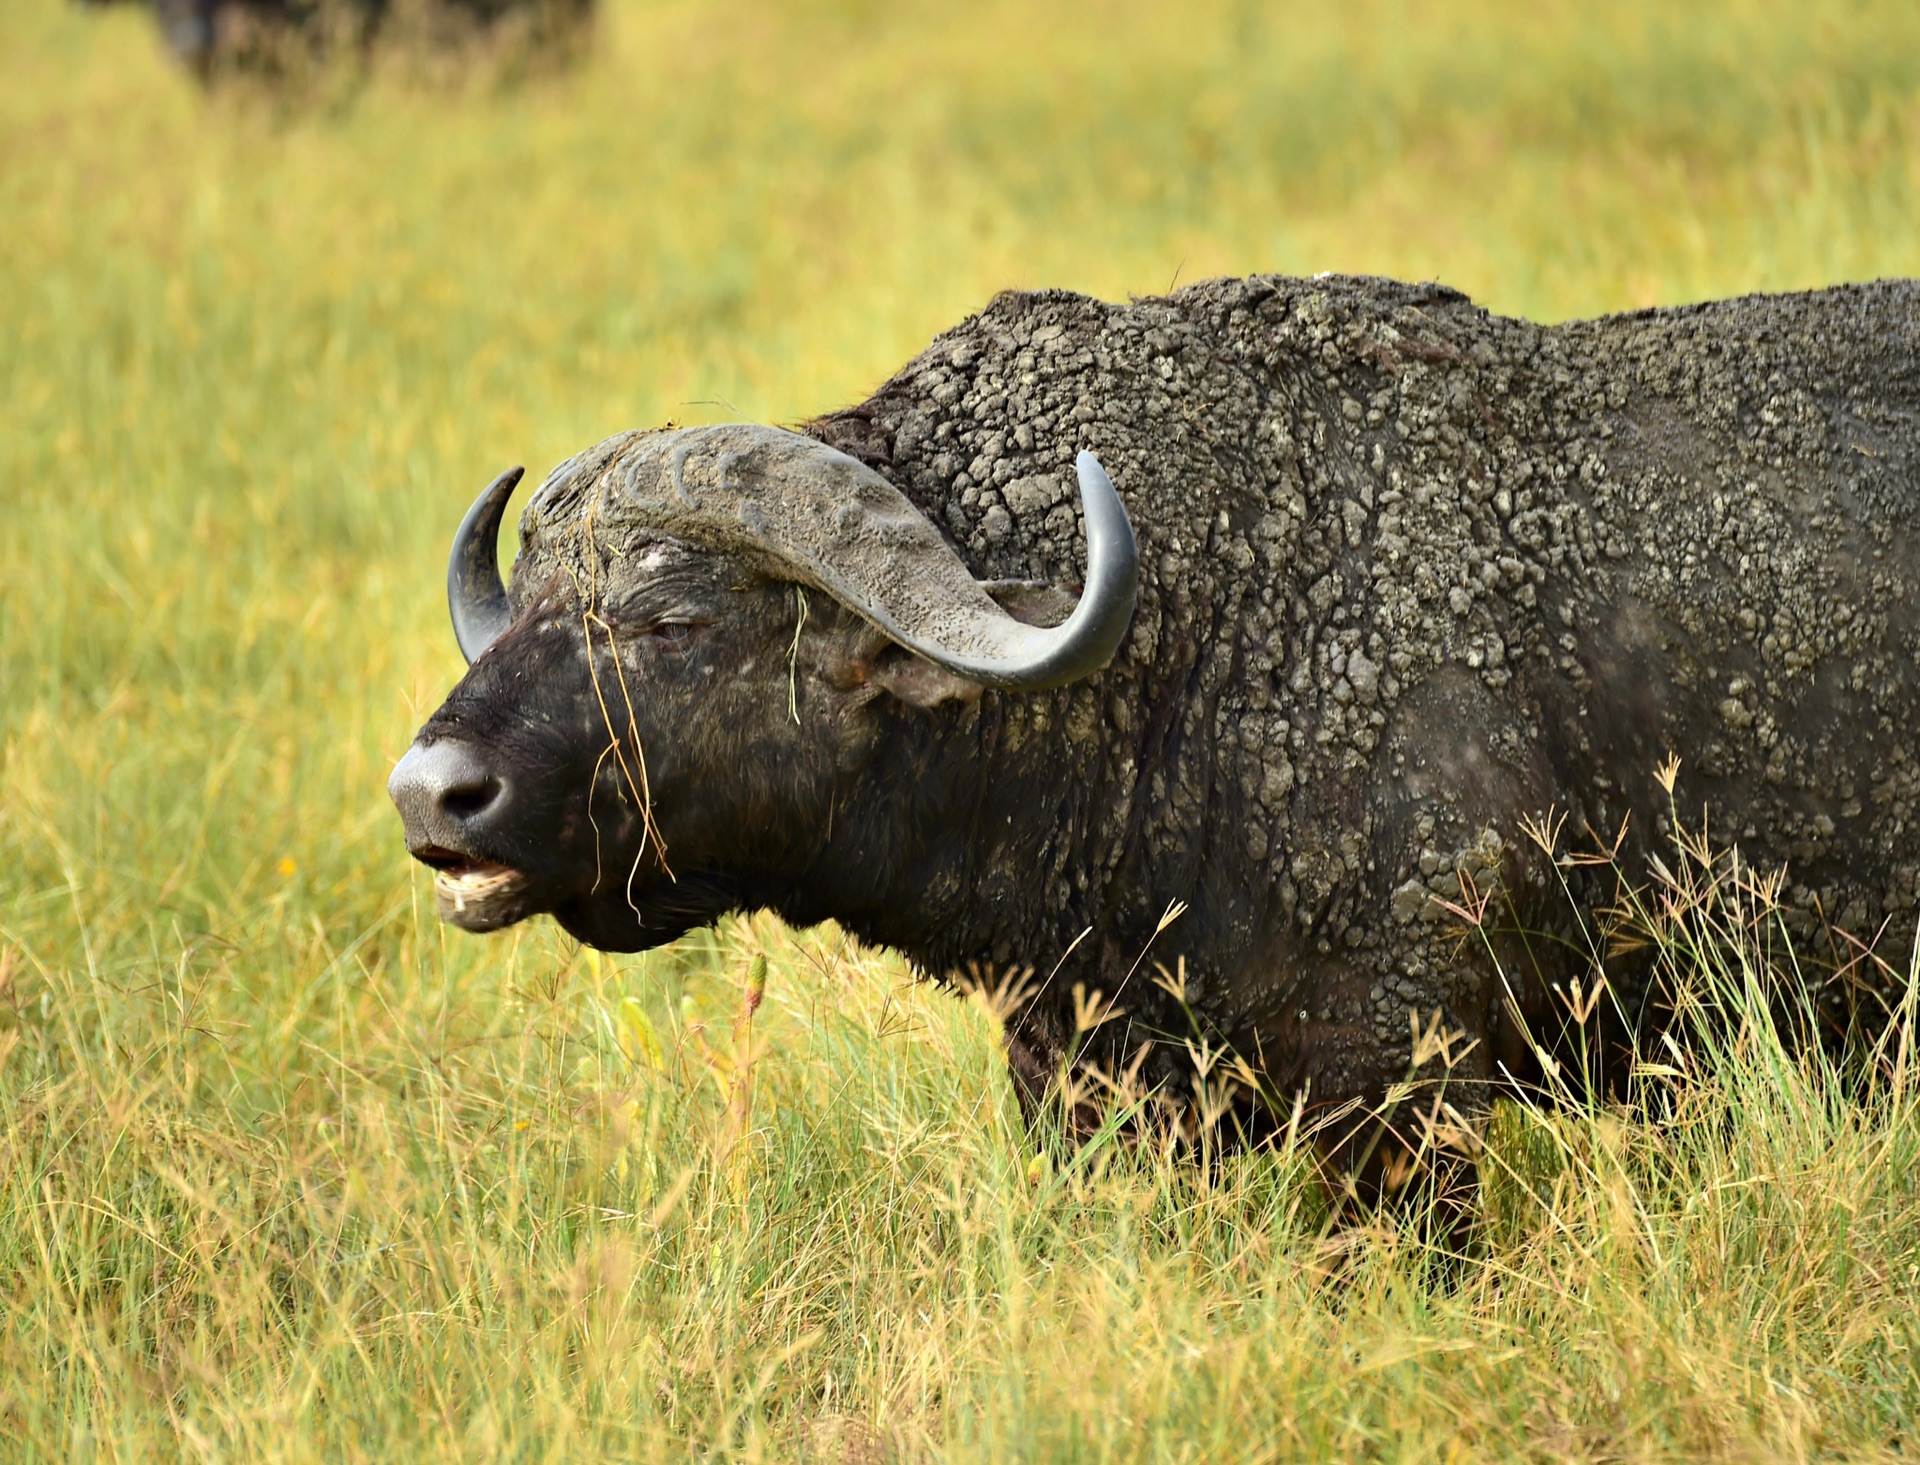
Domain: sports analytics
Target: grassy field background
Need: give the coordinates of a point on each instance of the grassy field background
(288, 1172)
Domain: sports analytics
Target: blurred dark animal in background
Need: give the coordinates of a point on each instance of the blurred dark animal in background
(1409, 577)
(283, 37)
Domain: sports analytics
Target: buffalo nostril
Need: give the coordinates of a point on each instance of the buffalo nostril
(444, 790)
(469, 800)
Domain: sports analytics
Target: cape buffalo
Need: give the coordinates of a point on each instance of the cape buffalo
(267, 36)
(1407, 574)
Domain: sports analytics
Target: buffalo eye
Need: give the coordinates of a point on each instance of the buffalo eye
(674, 634)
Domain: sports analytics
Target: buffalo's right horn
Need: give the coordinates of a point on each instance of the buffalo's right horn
(475, 594)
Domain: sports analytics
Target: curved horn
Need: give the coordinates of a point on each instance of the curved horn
(829, 521)
(474, 593)
(1031, 658)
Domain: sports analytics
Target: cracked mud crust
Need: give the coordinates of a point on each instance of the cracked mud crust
(1410, 573)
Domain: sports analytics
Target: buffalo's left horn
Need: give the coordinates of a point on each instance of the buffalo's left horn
(819, 517)
(474, 593)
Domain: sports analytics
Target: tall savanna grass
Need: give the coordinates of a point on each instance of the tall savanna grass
(288, 1171)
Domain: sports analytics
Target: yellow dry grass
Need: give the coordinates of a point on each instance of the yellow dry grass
(288, 1172)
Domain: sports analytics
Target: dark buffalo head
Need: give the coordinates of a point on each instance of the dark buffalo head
(731, 656)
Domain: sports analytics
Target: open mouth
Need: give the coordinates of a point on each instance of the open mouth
(471, 891)
(477, 884)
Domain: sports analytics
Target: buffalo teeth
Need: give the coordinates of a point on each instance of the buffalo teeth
(476, 886)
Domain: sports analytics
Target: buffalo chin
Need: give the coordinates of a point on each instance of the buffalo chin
(616, 928)
(657, 913)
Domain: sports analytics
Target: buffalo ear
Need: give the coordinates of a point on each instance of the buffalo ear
(862, 663)
(918, 682)
(1033, 602)
(886, 667)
